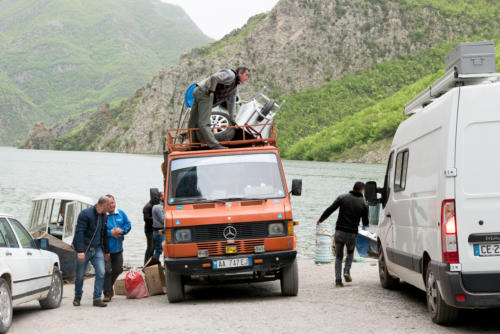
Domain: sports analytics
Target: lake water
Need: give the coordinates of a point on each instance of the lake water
(25, 174)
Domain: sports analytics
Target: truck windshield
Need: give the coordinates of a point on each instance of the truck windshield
(225, 178)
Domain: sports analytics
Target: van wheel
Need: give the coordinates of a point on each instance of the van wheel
(219, 119)
(441, 313)
(5, 306)
(53, 299)
(290, 280)
(386, 280)
(175, 286)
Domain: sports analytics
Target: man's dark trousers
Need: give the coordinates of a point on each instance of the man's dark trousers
(349, 241)
(114, 267)
(150, 245)
(200, 117)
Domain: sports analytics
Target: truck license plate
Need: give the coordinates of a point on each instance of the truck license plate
(487, 249)
(232, 263)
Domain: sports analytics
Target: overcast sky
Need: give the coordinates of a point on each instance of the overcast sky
(217, 18)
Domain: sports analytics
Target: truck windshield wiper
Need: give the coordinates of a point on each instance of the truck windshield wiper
(231, 199)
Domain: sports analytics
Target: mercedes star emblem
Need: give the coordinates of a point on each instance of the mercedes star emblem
(229, 232)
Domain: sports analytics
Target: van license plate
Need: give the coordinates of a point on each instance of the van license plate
(232, 263)
(487, 249)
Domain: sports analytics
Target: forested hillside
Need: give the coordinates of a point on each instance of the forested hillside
(329, 59)
(62, 57)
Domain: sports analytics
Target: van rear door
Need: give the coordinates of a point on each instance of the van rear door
(477, 182)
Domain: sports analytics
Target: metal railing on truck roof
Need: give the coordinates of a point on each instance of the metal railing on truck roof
(182, 139)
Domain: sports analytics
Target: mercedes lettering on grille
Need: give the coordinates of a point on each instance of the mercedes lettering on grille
(229, 232)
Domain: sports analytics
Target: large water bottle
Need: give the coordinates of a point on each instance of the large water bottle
(323, 244)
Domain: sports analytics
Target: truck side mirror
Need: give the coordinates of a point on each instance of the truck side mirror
(371, 191)
(296, 187)
(42, 243)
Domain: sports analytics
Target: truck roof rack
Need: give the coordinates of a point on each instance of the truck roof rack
(469, 63)
(448, 81)
(182, 139)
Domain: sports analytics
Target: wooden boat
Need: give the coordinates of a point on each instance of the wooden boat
(54, 216)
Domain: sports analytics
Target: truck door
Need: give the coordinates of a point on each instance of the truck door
(477, 183)
(385, 228)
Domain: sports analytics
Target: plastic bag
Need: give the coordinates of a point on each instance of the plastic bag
(135, 285)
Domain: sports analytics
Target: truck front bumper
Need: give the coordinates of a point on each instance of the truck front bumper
(451, 284)
(194, 266)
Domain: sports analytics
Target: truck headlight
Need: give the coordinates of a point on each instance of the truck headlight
(183, 235)
(276, 229)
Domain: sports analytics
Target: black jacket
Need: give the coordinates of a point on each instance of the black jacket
(147, 213)
(85, 229)
(352, 208)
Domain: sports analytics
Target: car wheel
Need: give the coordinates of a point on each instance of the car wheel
(290, 279)
(441, 313)
(221, 119)
(53, 299)
(386, 280)
(5, 306)
(175, 286)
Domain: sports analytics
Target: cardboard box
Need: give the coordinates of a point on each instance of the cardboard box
(155, 279)
(119, 287)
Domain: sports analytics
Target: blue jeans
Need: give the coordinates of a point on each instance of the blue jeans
(96, 257)
(158, 238)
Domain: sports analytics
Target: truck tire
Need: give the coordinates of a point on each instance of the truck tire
(53, 299)
(265, 110)
(5, 306)
(441, 313)
(175, 286)
(218, 119)
(386, 280)
(290, 280)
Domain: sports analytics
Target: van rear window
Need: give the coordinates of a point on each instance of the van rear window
(400, 171)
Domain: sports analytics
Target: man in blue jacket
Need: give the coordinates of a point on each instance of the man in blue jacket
(117, 226)
(91, 244)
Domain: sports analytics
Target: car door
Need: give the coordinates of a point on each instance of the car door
(15, 259)
(39, 267)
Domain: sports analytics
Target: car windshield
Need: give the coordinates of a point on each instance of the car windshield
(225, 178)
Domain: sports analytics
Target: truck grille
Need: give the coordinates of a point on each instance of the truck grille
(215, 232)
(219, 248)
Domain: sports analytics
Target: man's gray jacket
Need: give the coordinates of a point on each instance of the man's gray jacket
(224, 78)
(158, 216)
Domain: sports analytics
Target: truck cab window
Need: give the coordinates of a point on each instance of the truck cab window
(400, 171)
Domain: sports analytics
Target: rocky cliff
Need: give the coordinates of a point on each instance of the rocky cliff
(298, 45)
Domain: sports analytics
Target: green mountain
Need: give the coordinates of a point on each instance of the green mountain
(61, 57)
(330, 61)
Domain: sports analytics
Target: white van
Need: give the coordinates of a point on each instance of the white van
(439, 226)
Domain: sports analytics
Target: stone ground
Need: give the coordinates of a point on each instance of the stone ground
(360, 307)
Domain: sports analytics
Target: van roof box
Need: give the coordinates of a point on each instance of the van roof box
(469, 63)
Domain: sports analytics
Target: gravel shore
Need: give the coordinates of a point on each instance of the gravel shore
(360, 307)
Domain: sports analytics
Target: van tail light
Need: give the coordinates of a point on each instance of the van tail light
(449, 232)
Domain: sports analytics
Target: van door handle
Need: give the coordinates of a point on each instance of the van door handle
(388, 215)
(29, 253)
(8, 253)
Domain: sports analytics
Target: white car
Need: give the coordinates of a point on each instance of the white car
(27, 272)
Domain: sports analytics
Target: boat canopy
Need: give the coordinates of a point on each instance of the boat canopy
(65, 196)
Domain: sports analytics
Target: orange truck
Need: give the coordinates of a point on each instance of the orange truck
(228, 216)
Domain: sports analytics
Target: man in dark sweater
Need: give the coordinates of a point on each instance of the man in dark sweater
(147, 213)
(353, 207)
(91, 245)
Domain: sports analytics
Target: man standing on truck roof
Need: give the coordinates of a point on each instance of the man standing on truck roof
(158, 225)
(211, 92)
(118, 225)
(353, 207)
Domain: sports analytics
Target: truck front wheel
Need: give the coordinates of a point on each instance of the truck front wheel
(290, 280)
(175, 286)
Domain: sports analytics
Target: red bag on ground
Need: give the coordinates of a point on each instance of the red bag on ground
(135, 285)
